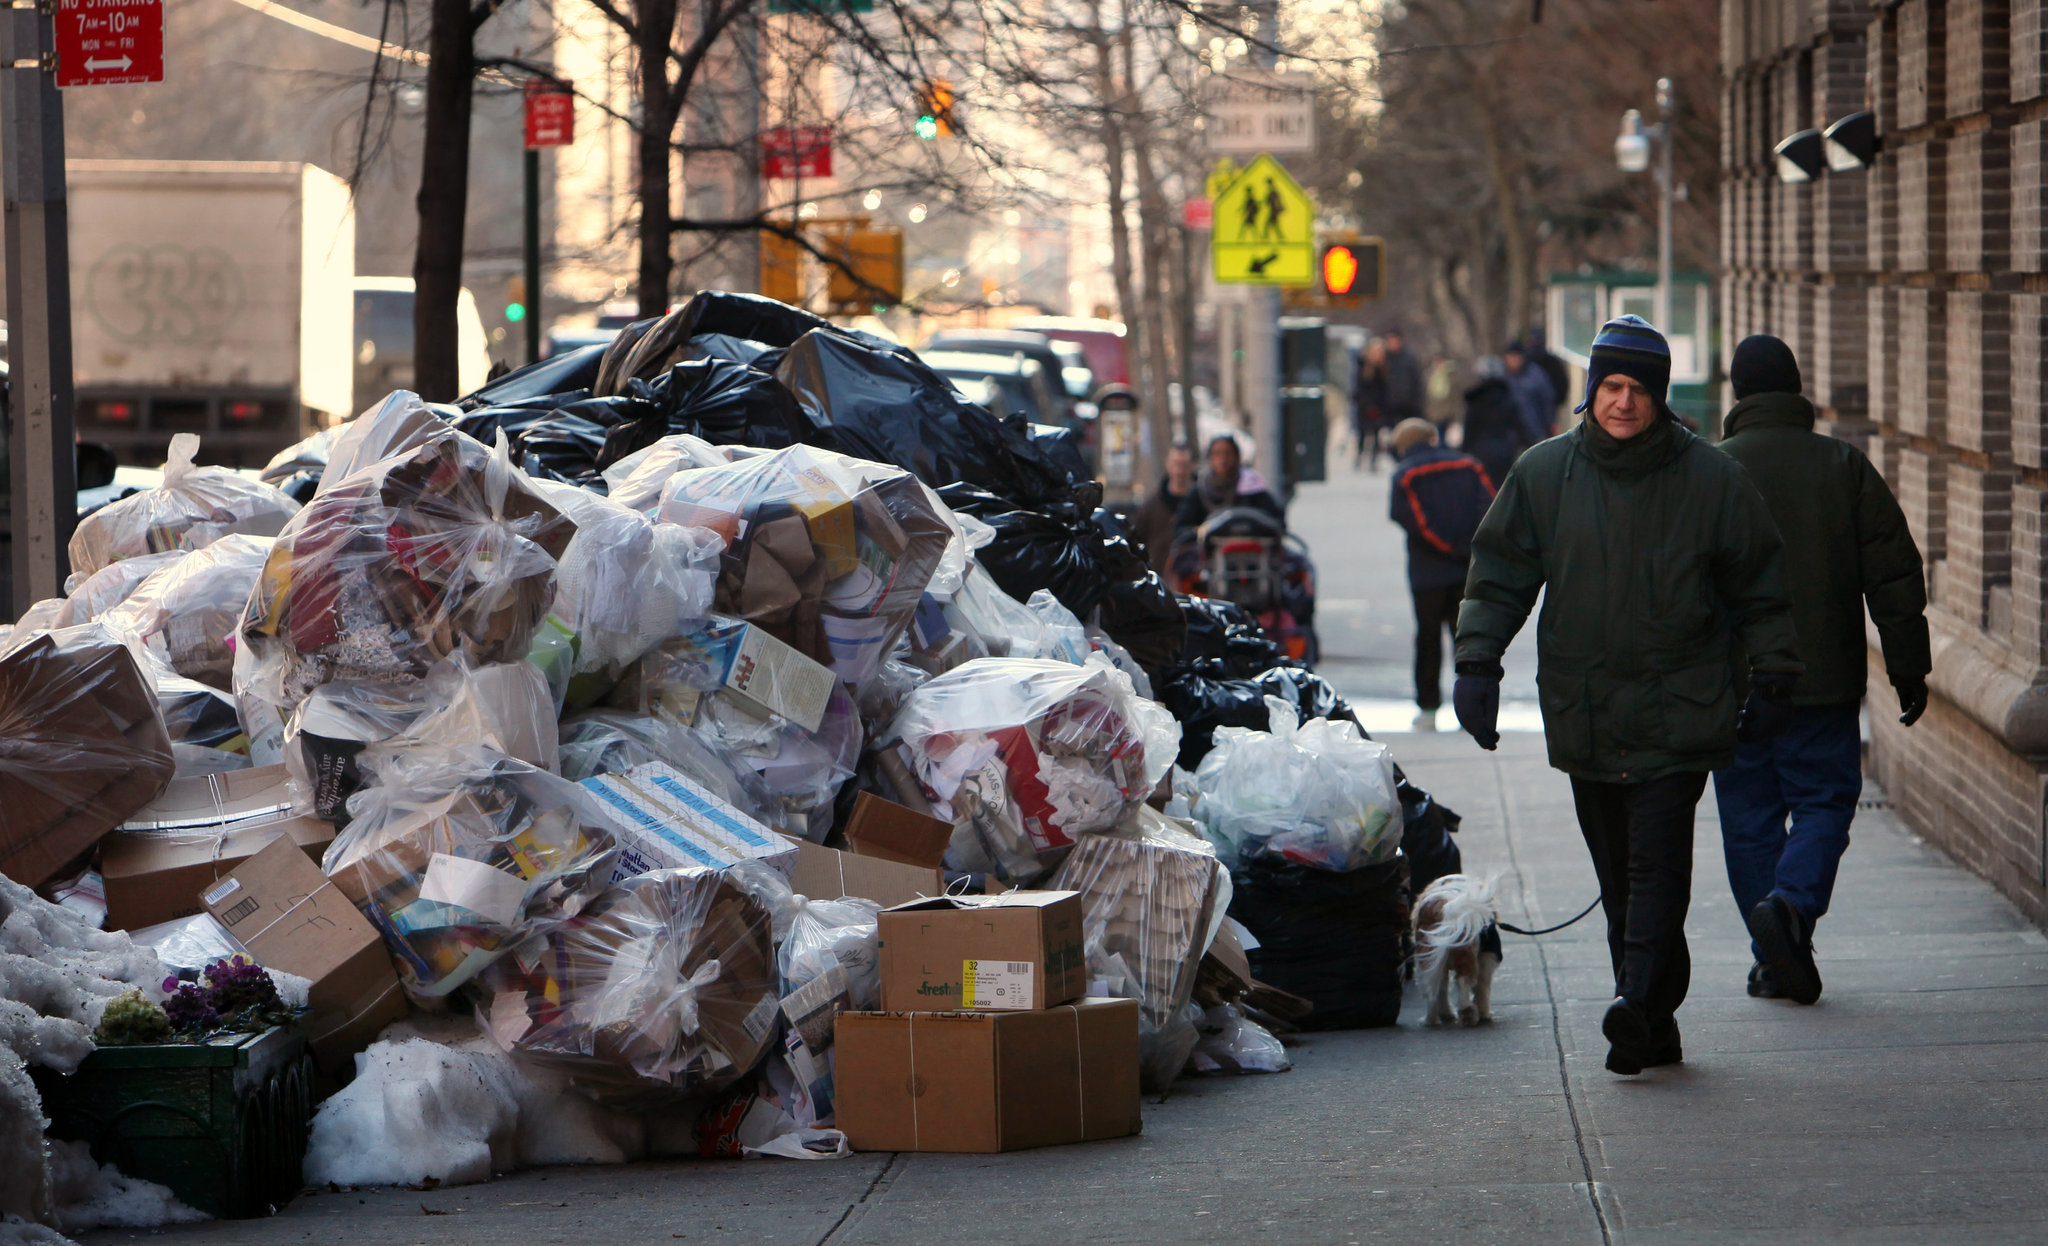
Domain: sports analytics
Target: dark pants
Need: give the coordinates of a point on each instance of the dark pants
(1640, 835)
(1436, 609)
(1813, 773)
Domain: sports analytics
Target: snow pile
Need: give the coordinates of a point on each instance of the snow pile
(96, 1196)
(56, 976)
(436, 1100)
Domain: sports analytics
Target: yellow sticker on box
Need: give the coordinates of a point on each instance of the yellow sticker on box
(1002, 984)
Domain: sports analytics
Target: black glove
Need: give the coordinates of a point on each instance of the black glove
(1912, 701)
(1769, 711)
(1476, 698)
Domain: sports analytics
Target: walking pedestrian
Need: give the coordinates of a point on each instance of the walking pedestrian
(1553, 369)
(1404, 381)
(1369, 404)
(1653, 553)
(1154, 523)
(1846, 546)
(1439, 496)
(1492, 427)
(1225, 483)
(1535, 401)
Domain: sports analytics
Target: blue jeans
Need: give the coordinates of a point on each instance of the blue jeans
(1814, 773)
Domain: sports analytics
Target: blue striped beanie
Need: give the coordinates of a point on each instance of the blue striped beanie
(1631, 346)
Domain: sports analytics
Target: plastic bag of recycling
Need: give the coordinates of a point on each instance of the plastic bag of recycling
(1234, 1043)
(191, 509)
(443, 549)
(1004, 627)
(204, 724)
(612, 742)
(296, 470)
(882, 404)
(505, 707)
(1318, 793)
(1024, 756)
(1337, 940)
(190, 943)
(826, 553)
(831, 947)
(82, 746)
(802, 770)
(402, 422)
(457, 854)
(725, 402)
(88, 596)
(327, 734)
(666, 982)
(185, 614)
(1149, 899)
(637, 480)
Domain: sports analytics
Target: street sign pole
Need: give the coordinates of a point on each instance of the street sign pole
(44, 497)
(533, 255)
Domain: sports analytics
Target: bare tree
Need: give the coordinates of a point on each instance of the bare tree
(444, 192)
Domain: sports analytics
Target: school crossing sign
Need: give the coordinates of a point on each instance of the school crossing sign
(1265, 227)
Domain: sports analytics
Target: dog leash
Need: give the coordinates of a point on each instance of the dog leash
(1512, 929)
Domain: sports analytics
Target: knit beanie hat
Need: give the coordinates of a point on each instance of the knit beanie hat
(1412, 432)
(1763, 365)
(1630, 346)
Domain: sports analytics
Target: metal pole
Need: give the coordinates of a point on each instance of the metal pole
(43, 465)
(533, 299)
(1261, 340)
(1665, 99)
(1189, 278)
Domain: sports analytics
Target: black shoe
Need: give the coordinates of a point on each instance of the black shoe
(1761, 985)
(1669, 1050)
(1781, 936)
(1629, 1031)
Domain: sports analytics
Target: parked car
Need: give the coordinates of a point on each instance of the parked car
(1005, 384)
(1102, 340)
(383, 336)
(1036, 347)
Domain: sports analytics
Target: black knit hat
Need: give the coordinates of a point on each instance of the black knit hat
(1631, 346)
(1763, 365)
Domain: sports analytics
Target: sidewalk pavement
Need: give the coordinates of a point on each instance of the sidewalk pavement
(1909, 1105)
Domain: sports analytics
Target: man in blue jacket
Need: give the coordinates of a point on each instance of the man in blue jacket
(1439, 496)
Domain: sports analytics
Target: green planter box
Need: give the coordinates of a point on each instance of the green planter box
(222, 1123)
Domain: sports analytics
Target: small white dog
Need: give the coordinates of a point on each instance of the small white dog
(1457, 948)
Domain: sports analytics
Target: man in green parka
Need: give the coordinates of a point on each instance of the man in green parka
(1659, 559)
(1846, 543)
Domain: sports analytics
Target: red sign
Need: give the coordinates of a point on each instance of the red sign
(797, 151)
(1198, 214)
(108, 42)
(550, 116)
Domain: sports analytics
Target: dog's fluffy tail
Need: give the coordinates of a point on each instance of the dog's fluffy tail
(1468, 911)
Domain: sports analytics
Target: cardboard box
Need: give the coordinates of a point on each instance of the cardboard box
(779, 679)
(156, 876)
(829, 874)
(666, 820)
(882, 828)
(1016, 951)
(292, 918)
(979, 1082)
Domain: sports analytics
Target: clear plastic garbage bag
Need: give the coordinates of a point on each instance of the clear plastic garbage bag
(185, 614)
(1319, 794)
(191, 509)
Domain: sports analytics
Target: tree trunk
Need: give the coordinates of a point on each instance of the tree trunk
(1152, 230)
(1113, 159)
(660, 105)
(443, 201)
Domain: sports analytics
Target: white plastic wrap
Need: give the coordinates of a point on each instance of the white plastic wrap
(1025, 755)
(624, 585)
(636, 481)
(191, 509)
(1234, 1043)
(1319, 794)
(88, 596)
(401, 423)
(185, 613)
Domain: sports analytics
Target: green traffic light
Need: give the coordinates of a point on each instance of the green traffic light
(927, 127)
(515, 312)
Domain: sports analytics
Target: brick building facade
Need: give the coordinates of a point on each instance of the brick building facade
(1916, 295)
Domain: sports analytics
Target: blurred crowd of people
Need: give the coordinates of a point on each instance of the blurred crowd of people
(1514, 399)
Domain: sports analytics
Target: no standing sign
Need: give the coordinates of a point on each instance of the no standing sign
(109, 42)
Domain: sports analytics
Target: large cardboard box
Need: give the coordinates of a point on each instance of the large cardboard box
(1016, 951)
(156, 876)
(291, 917)
(828, 874)
(977, 1081)
(893, 832)
(667, 820)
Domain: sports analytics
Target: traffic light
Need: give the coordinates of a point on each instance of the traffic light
(1340, 268)
(934, 110)
(515, 298)
(1354, 270)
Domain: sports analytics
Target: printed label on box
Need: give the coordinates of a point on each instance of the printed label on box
(995, 984)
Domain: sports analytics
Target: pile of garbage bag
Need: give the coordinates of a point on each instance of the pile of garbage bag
(565, 684)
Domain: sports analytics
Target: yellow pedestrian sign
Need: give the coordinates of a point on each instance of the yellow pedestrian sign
(1265, 230)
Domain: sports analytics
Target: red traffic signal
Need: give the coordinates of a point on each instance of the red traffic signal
(1340, 268)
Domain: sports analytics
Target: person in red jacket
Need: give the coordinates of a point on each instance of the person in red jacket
(1439, 496)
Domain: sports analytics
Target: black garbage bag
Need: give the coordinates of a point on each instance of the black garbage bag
(885, 406)
(558, 436)
(1062, 446)
(1337, 940)
(738, 349)
(1138, 611)
(570, 370)
(1308, 692)
(724, 402)
(1226, 632)
(1426, 829)
(1203, 696)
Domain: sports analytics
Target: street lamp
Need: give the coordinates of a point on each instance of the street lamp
(1850, 145)
(1632, 150)
(1801, 157)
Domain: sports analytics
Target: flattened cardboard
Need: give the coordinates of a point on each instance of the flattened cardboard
(926, 944)
(983, 1082)
(829, 874)
(667, 820)
(882, 828)
(156, 876)
(292, 918)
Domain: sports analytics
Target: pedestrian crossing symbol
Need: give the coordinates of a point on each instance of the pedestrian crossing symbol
(1265, 230)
